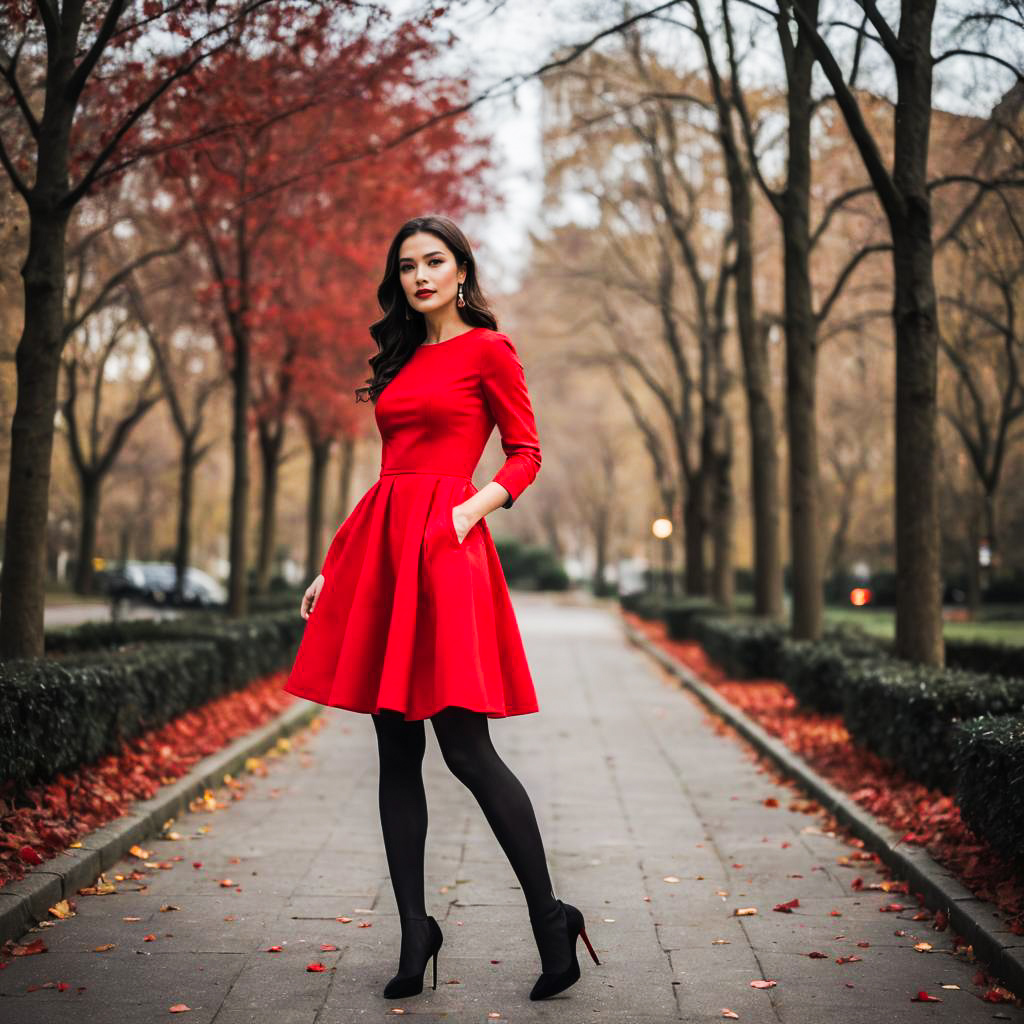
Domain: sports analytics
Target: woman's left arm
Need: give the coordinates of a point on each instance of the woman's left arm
(504, 385)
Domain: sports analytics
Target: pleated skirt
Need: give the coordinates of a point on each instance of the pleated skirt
(409, 618)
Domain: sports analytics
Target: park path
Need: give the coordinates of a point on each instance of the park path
(632, 784)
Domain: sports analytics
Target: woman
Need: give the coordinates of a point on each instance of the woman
(413, 618)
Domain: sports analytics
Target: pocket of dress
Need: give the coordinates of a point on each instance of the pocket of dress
(452, 531)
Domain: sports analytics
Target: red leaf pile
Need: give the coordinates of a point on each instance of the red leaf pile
(38, 823)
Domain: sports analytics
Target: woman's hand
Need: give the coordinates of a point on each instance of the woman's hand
(463, 522)
(310, 597)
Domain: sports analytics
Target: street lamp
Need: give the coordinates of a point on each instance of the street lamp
(661, 528)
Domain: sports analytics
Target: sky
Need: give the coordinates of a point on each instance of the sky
(498, 38)
(520, 37)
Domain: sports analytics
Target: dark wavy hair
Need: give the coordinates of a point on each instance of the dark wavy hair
(403, 329)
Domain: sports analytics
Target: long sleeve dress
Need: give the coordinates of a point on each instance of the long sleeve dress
(409, 618)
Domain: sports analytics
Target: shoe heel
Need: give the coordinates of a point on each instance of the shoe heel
(435, 970)
(583, 932)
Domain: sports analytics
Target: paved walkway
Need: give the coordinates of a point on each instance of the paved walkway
(631, 787)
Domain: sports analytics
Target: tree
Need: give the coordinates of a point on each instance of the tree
(74, 127)
(905, 194)
(753, 335)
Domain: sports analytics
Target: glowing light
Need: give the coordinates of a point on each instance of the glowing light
(860, 596)
(661, 528)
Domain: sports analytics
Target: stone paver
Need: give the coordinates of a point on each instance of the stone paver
(630, 785)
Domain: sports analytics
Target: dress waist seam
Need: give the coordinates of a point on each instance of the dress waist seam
(424, 472)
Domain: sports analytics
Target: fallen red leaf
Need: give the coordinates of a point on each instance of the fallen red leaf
(763, 983)
(815, 955)
(998, 995)
(35, 946)
(787, 908)
(923, 997)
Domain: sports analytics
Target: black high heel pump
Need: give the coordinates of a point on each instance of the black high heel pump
(554, 934)
(429, 941)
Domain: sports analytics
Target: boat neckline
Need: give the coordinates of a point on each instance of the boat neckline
(441, 344)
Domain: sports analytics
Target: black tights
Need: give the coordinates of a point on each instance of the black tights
(467, 750)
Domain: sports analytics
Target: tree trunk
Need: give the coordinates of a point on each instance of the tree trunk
(764, 465)
(764, 469)
(801, 359)
(320, 454)
(186, 476)
(90, 484)
(238, 596)
(723, 587)
(23, 582)
(695, 570)
(974, 533)
(271, 439)
(918, 588)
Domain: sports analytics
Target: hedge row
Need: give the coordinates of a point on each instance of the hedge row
(114, 681)
(988, 749)
(981, 656)
(907, 713)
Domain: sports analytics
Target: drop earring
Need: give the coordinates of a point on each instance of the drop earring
(460, 301)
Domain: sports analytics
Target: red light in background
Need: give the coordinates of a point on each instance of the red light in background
(860, 596)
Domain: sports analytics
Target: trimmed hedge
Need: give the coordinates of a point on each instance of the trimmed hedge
(111, 682)
(981, 656)
(682, 616)
(907, 713)
(815, 670)
(251, 647)
(987, 749)
(745, 648)
(57, 716)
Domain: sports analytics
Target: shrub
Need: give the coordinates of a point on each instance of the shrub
(744, 648)
(989, 767)
(682, 614)
(906, 713)
(815, 670)
(985, 656)
(57, 716)
(104, 683)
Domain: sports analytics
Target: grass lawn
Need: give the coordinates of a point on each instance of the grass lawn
(882, 622)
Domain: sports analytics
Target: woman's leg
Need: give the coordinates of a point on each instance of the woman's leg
(403, 807)
(466, 746)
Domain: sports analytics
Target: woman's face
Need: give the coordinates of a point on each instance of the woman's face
(426, 265)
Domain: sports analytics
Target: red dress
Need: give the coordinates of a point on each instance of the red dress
(408, 618)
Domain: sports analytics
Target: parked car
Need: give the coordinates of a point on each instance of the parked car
(153, 583)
